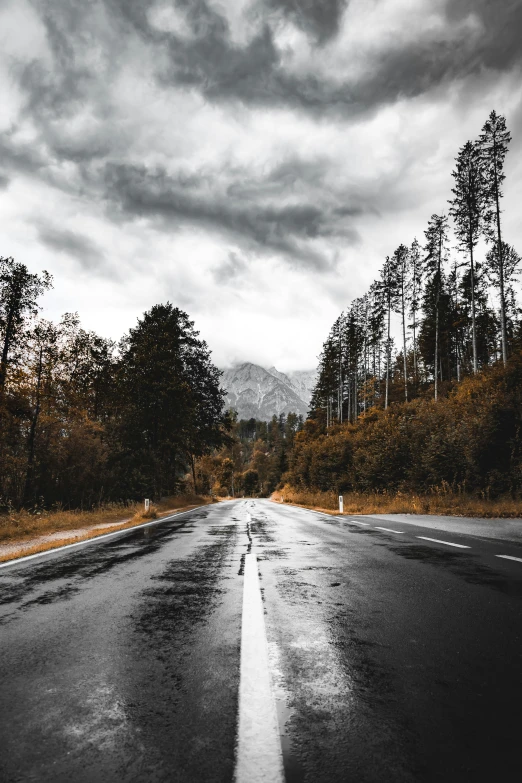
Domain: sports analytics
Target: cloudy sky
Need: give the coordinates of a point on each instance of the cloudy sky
(252, 161)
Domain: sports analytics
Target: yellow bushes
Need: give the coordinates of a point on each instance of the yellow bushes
(466, 445)
(438, 502)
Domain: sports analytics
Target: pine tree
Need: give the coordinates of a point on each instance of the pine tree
(172, 403)
(400, 269)
(388, 288)
(415, 291)
(493, 144)
(436, 240)
(504, 266)
(467, 209)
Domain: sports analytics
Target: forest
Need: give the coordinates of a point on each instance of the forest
(85, 421)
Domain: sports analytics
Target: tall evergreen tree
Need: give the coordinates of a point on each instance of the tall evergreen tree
(415, 291)
(493, 145)
(376, 321)
(400, 269)
(467, 209)
(388, 287)
(436, 242)
(171, 399)
(501, 270)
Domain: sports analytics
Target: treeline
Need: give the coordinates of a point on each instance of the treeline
(253, 460)
(84, 420)
(458, 312)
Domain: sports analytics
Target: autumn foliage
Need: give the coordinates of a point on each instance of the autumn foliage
(468, 442)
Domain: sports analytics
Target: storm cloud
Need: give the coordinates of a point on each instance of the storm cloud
(84, 249)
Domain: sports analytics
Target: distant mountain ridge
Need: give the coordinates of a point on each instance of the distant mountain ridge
(255, 392)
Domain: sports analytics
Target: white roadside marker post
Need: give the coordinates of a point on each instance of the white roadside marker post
(341, 504)
(147, 504)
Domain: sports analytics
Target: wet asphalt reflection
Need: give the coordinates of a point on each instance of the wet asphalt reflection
(390, 660)
(393, 661)
(121, 661)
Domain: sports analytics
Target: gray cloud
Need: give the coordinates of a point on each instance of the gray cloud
(233, 267)
(254, 74)
(240, 210)
(71, 243)
(320, 18)
(210, 62)
(19, 157)
(291, 206)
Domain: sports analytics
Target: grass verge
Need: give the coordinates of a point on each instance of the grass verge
(439, 503)
(27, 534)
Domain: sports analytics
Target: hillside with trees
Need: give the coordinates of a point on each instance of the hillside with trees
(457, 312)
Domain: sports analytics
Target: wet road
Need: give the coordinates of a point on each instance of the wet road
(393, 657)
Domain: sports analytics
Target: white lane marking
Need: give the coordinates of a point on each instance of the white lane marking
(387, 530)
(92, 540)
(365, 524)
(510, 557)
(448, 543)
(259, 758)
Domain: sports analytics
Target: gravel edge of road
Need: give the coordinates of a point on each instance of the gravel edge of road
(38, 546)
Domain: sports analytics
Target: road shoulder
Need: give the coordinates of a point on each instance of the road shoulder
(64, 538)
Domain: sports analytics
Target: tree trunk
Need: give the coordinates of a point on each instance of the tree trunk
(387, 361)
(415, 373)
(32, 431)
(457, 351)
(355, 395)
(473, 330)
(5, 348)
(193, 468)
(500, 266)
(404, 345)
(436, 344)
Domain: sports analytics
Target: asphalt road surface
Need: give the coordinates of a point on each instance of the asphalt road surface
(393, 646)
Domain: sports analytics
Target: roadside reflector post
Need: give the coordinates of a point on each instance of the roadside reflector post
(341, 504)
(147, 504)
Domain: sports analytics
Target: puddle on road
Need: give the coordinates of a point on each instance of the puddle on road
(294, 771)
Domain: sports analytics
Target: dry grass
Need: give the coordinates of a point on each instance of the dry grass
(26, 534)
(443, 503)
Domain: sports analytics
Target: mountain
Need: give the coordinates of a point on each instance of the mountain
(255, 392)
(301, 381)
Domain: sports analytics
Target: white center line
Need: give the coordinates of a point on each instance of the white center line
(259, 758)
(510, 557)
(387, 530)
(448, 543)
(366, 524)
